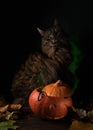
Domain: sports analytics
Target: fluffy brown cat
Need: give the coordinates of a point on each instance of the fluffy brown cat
(44, 67)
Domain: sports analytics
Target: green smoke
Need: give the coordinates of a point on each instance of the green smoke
(77, 57)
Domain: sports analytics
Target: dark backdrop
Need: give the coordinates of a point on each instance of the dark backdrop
(19, 36)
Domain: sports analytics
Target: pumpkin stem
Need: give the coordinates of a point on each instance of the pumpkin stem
(58, 83)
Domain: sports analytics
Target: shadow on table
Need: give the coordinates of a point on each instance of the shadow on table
(35, 123)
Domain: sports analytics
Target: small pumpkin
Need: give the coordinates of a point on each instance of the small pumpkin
(52, 102)
(58, 89)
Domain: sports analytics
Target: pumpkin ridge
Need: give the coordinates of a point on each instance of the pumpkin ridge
(55, 89)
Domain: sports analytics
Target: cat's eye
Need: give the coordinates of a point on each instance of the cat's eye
(51, 37)
(59, 35)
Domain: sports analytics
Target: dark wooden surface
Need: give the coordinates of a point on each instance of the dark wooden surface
(33, 122)
(36, 123)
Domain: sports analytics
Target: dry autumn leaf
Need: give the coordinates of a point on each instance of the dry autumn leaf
(80, 125)
(14, 107)
(7, 125)
(4, 108)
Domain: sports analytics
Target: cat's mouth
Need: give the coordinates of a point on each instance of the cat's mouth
(53, 45)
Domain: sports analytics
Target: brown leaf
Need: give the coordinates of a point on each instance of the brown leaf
(14, 107)
(4, 108)
(80, 125)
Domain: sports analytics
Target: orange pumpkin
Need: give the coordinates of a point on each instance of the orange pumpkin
(58, 89)
(53, 102)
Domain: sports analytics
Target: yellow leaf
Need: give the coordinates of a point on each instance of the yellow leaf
(80, 125)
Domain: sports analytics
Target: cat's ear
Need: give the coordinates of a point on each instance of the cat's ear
(40, 31)
(56, 22)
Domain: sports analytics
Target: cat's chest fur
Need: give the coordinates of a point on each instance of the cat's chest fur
(49, 69)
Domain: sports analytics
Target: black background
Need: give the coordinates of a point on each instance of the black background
(19, 36)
